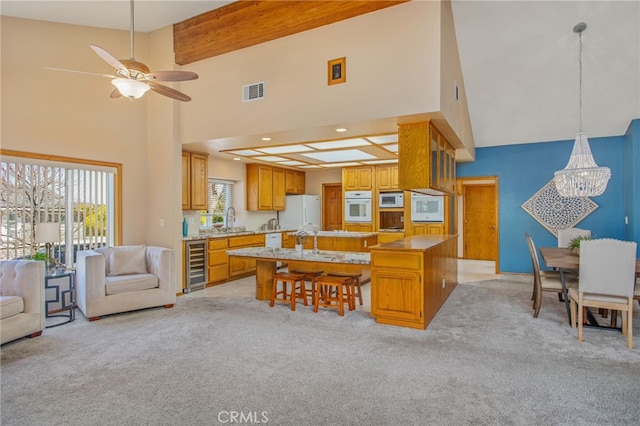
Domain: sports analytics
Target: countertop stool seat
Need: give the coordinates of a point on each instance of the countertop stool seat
(356, 290)
(325, 297)
(311, 277)
(297, 291)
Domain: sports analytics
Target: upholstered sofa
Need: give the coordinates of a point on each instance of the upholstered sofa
(21, 299)
(118, 279)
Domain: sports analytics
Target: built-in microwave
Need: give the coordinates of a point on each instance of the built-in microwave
(427, 208)
(390, 200)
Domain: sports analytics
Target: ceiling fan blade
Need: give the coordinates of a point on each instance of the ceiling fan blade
(80, 72)
(171, 75)
(115, 93)
(106, 56)
(168, 91)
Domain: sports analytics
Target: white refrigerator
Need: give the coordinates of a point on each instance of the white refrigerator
(300, 210)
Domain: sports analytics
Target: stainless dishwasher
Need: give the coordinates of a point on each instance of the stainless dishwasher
(195, 267)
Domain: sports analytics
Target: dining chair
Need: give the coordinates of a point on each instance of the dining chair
(607, 280)
(545, 280)
(566, 235)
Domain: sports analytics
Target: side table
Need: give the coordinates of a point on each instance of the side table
(66, 298)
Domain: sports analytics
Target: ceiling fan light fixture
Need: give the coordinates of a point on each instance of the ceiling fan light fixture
(132, 89)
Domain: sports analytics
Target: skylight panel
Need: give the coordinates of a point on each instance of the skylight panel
(383, 139)
(343, 143)
(343, 155)
(287, 149)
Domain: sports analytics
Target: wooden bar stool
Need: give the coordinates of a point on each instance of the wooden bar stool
(298, 289)
(328, 299)
(356, 290)
(311, 277)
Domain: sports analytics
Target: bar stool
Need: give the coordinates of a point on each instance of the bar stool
(325, 284)
(311, 277)
(297, 283)
(355, 278)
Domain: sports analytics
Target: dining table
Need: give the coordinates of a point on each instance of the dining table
(564, 259)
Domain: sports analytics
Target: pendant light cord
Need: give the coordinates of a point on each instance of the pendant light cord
(580, 79)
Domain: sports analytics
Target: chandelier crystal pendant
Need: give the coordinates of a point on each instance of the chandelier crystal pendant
(581, 177)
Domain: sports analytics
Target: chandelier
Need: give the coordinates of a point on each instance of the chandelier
(581, 177)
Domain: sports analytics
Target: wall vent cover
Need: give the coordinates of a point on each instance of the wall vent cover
(253, 92)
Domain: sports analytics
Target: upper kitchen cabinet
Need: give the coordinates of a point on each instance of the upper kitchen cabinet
(294, 182)
(195, 177)
(387, 177)
(426, 161)
(357, 178)
(265, 187)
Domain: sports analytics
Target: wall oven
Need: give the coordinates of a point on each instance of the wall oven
(195, 268)
(357, 206)
(427, 208)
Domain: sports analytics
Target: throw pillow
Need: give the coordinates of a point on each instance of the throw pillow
(126, 260)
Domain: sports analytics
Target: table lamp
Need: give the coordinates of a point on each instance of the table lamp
(48, 233)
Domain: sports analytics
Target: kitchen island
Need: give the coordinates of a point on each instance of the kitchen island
(411, 279)
(324, 260)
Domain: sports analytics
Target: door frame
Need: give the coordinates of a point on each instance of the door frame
(459, 211)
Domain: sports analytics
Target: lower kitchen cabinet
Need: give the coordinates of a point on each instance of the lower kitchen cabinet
(218, 261)
(427, 229)
(358, 227)
(241, 266)
(386, 237)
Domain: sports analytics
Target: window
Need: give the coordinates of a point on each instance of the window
(79, 196)
(219, 193)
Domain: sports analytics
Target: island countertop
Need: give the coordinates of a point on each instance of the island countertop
(415, 243)
(339, 234)
(323, 256)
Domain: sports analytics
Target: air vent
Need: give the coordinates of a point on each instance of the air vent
(252, 92)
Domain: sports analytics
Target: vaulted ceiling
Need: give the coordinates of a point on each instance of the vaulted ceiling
(519, 59)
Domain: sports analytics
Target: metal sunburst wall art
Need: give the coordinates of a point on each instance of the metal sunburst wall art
(555, 212)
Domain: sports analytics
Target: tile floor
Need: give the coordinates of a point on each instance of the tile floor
(468, 271)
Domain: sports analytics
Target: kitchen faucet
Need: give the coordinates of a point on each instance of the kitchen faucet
(233, 216)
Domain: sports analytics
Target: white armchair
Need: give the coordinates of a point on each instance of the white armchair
(21, 299)
(124, 278)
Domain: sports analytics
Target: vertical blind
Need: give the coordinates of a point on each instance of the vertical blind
(79, 197)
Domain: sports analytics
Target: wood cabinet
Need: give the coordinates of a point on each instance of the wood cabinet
(387, 177)
(427, 229)
(241, 266)
(357, 178)
(195, 179)
(386, 237)
(358, 227)
(218, 261)
(265, 187)
(295, 182)
(411, 279)
(425, 159)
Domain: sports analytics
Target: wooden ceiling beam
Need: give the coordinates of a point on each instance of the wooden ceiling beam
(246, 23)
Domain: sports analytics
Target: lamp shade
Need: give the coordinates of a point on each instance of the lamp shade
(132, 89)
(48, 232)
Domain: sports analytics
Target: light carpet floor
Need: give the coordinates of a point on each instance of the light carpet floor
(483, 360)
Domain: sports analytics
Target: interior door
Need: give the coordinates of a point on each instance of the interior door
(480, 219)
(332, 206)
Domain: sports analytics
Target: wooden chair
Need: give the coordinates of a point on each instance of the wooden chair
(324, 296)
(607, 280)
(356, 290)
(311, 277)
(297, 289)
(545, 280)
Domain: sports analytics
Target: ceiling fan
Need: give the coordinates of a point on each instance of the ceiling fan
(133, 79)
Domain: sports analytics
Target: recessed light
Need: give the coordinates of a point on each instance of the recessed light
(236, 158)
(266, 139)
(341, 129)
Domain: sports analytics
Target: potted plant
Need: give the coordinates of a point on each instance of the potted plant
(574, 244)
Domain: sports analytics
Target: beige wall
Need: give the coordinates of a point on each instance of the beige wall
(392, 69)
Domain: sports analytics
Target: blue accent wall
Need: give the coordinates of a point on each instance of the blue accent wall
(525, 168)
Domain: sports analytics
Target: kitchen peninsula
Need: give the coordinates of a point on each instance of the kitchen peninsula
(410, 278)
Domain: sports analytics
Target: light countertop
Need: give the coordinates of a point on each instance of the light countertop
(340, 234)
(323, 256)
(414, 243)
